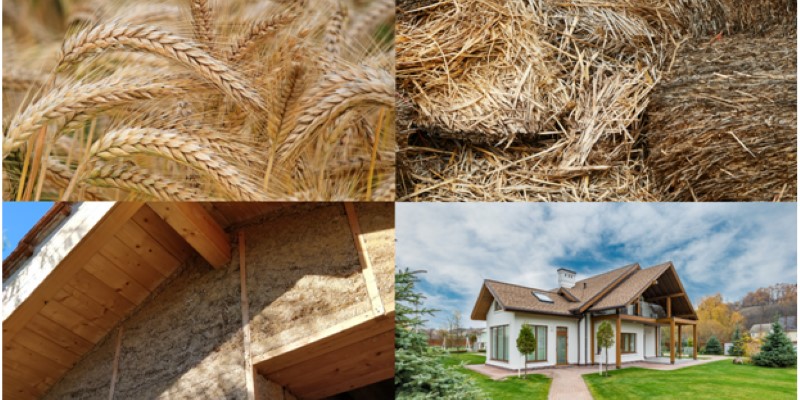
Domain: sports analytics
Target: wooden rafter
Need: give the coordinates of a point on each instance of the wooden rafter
(363, 258)
(198, 228)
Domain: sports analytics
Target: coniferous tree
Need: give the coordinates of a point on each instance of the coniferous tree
(713, 346)
(777, 350)
(419, 374)
(738, 345)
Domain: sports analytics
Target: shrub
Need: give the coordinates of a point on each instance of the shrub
(777, 350)
(713, 346)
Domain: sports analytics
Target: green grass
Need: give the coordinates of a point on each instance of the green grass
(534, 387)
(716, 380)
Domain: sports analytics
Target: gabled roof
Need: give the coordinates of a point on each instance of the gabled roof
(616, 288)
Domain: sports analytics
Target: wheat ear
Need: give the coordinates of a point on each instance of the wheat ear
(78, 102)
(130, 178)
(203, 23)
(190, 151)
(112, 36)
(336, 93)
(259, 32)
(333, 34)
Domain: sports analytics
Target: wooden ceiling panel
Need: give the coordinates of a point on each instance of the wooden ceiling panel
(103, 294)
(47, 348)
(345, 359)
(122, 283)
(130, 262)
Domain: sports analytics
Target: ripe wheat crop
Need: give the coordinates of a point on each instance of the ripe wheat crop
(198, 100)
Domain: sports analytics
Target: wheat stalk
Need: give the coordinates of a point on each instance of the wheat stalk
(190, 151)
(112, 36)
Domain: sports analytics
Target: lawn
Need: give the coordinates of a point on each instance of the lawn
(717, 380)
(534, 387)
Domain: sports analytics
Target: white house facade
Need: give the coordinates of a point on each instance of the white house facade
(635, 301)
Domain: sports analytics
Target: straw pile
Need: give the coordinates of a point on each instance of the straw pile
(543, 100)
(722, 126)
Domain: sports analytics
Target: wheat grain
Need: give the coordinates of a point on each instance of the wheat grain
(203, 23)
(259, 32)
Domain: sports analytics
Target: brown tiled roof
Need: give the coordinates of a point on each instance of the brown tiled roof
(630, 288)
(521, 298)
(590, 289)
(615, 288)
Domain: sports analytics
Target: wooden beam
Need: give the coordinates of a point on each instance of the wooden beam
(680, 341)
(115, 368)
(248, 361)
(619, 338)
(694, 342)
(681, 321)
(198, 228)
(658, 347)
(672, 341)
(96, 238)
(363, 258)
(666, 296)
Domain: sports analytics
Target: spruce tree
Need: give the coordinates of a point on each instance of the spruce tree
(738, 345)
(713, 346)
(777, 350)
(419, 373)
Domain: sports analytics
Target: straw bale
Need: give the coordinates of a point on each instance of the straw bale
(492, 71)
(722, 126)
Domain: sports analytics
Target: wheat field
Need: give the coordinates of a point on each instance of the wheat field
(198, 100)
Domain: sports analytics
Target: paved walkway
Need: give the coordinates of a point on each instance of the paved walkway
(568, 383)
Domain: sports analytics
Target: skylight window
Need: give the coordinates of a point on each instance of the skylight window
(543, 297)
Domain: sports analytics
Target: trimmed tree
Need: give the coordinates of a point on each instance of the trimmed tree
(605, 339)
(526, 344)
(777, 350)
(737, 349)
(713, 346)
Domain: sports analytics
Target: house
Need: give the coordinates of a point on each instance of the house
(210, 300)
(481, 339)
(636, 301)
(789, 324)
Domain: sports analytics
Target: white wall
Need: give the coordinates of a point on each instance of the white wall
(498, 318)
(628, 327)
(515, 320)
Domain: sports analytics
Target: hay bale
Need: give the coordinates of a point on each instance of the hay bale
(722, 126)
(491, 71)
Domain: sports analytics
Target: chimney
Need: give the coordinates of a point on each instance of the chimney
(566, 278)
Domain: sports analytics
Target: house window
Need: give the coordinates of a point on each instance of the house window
(540, 333)
(496, 306)
(628, 344)
(499, 338)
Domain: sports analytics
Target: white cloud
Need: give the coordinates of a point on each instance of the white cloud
(729, 248)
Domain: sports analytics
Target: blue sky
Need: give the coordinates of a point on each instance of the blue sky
(18, 219)
(731, 248)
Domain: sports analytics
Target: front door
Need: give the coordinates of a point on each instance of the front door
(561, 345)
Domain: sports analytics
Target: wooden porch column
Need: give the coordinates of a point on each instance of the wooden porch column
(694, 341)
(619, 338)
(591, 333)
(671, 340)
(669, 307)
(680, 341)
